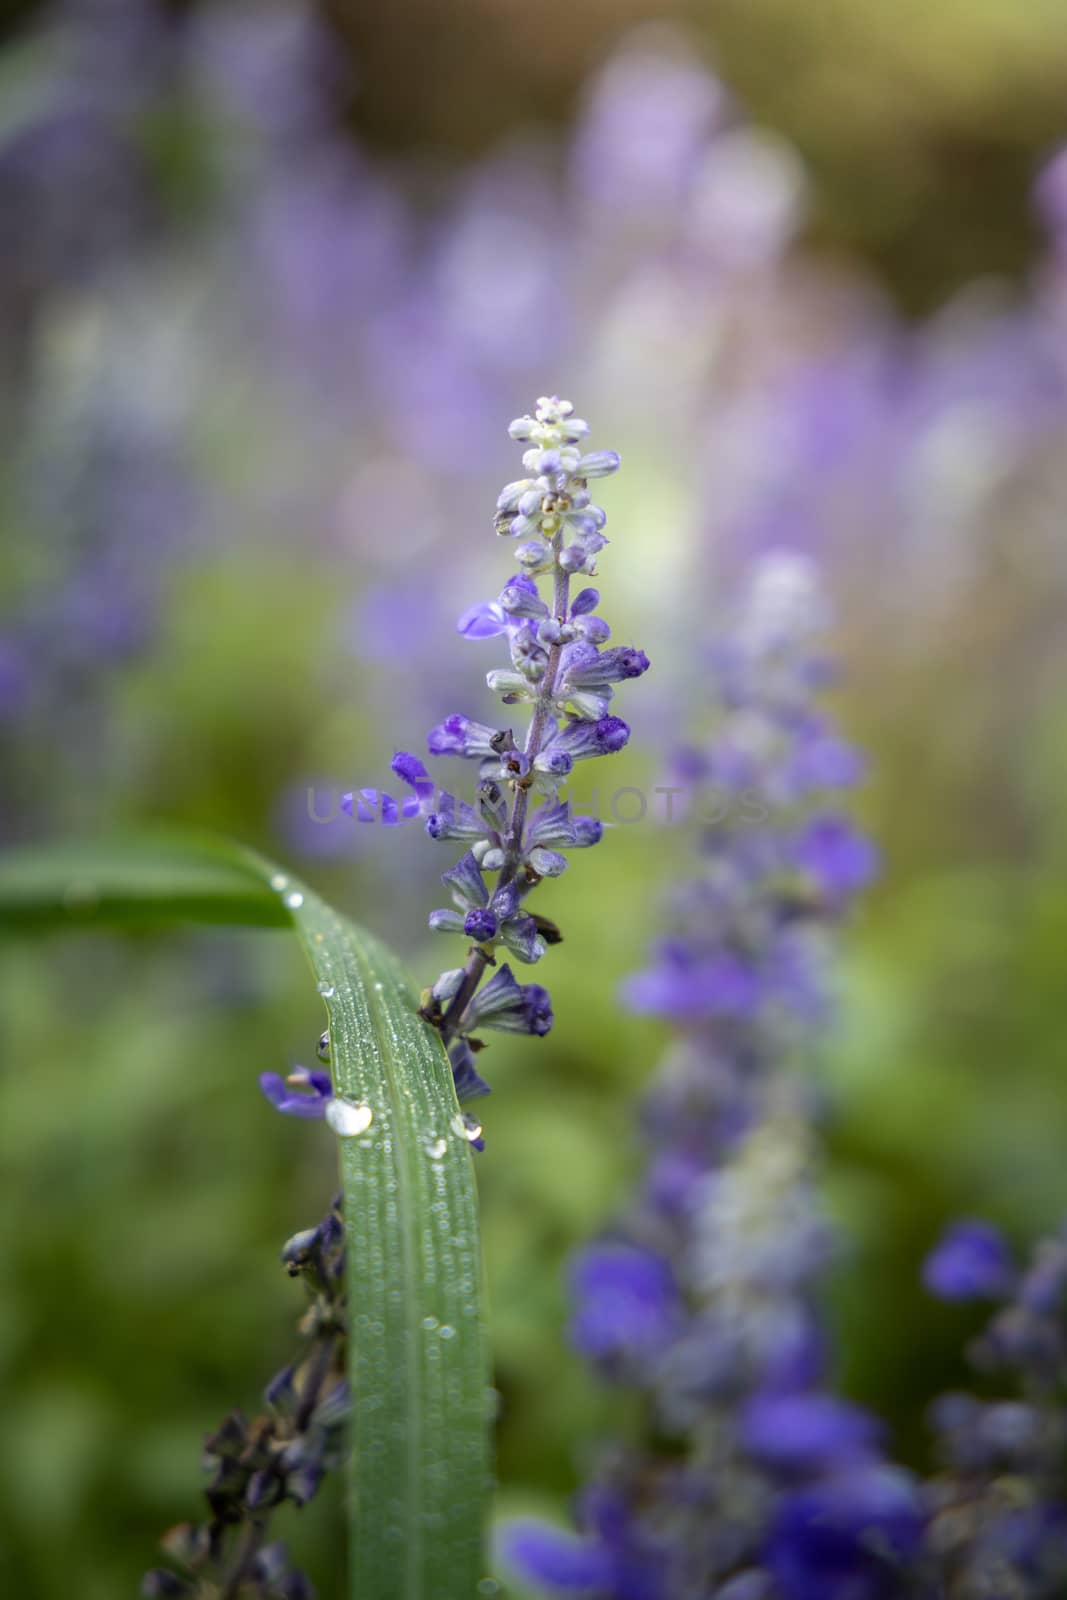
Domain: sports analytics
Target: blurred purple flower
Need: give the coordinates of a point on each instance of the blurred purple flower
(853, 1536)
(626, 1303)
(303, 1093)
(836, 856)
(556, 1560)
(970, 1262)
(804, 1432)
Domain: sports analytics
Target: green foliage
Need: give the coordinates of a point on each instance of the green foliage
(417, 1365)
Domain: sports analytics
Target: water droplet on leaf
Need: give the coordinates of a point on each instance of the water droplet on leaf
(466, 1126)
(326, 990)
(348, 1118)
(322, 1049)
(279, 882)
(295, 900)
(436, 1148)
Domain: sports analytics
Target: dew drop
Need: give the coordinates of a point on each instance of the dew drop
(466, 1126)
(429, 1323)
(322, 1049)
(348, 1118)
(295, 900)
(436, 1148)
(379, 987)
(326, 990)
(488, 1586)
(446, 1331)
(279, 882)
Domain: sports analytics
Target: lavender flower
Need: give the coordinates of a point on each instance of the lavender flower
(280, 1456)
(755, 1481)
(998, 1508)
(971, 1262)
(518, 829)
(286, 1094)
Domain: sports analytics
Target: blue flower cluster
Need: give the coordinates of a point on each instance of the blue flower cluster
(516, 828)
(754, 1479)
(757, 1480)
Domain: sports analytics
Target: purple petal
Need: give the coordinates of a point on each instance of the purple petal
(971, 1261)
(482, 621)
(834, 852)
(626, 1303)
(411, 770)
(802, 1432)
(554, 1559)
(290, 1101)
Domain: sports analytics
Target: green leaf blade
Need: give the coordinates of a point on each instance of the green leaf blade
(417, 1358)
(417, 1363)
(146, 882)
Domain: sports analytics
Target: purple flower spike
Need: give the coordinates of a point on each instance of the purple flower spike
(285, 1094)
(741, 1477)
(971, 1261)
(512, 827)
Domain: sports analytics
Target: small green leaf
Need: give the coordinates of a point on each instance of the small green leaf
(417, 1358)
(147, 882)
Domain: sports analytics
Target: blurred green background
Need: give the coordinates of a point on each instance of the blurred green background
(259, 353)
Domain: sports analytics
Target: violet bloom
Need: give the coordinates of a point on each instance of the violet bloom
(853, 1536)
(802, 1432)
(997, 1504)
(627, 1304)
(752, 1480)
(301, 1094)
(970, 1262)
(779, 856)
(515, 829)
